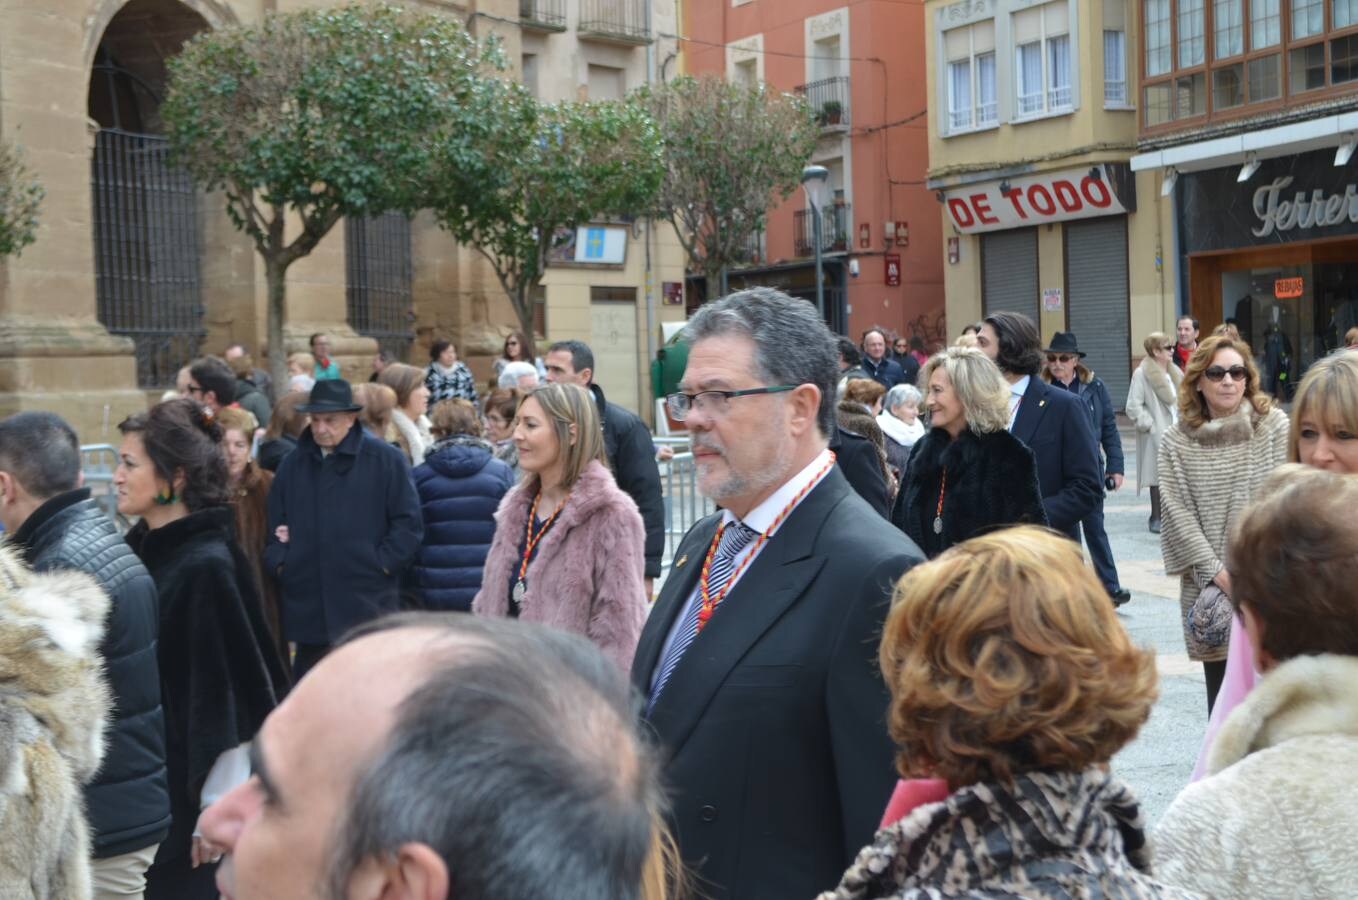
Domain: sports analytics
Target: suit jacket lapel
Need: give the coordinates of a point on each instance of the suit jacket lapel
(775, 581)
(1031, 410)
(683, 578)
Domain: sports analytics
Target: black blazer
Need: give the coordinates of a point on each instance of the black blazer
(1055, 426)
(856, 457)
(773, 723)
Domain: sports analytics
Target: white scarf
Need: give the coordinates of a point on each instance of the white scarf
(899, 431)
(415, 433)
(445, 371)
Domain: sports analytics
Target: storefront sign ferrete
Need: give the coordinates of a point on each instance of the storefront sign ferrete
(1302, 211)
(1102, 190)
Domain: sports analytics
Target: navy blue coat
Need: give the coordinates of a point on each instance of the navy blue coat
(1055, 426)
(1102, 417)
(460, 485)
(354, 526)
(888, 373)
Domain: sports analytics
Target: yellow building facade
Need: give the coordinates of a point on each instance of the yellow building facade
(1031, 130)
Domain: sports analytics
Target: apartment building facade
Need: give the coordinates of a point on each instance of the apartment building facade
(1249, 123)
(857, 67)
(1031, 131)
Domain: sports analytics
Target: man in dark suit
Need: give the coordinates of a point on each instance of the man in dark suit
(758, 662)
(1053, 423)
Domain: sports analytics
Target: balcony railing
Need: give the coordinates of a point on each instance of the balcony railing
(543, 15)
(615, 21)
(834, 230)
(829, 101)
(752, 251)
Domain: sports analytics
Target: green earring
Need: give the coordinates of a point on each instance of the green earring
(162, 500)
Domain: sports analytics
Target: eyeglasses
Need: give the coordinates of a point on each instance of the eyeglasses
(1216, 373)
(1059, 357)
(714, 403)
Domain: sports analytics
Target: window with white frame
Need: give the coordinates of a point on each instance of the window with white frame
(1042, 61)
(970, 52)
(1115, 53)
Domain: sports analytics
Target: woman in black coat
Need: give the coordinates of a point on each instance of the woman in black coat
(968, 475)
(219, 670)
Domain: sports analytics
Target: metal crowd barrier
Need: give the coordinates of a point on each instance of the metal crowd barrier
(98, 461)
(683, 504)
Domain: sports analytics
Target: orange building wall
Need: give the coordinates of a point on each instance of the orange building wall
(888, 164)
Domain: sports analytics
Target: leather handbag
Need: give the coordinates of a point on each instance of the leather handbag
(1209, 621)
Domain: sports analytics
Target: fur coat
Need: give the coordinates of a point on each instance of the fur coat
(1050, 835)
(1151, 403)
(52, 719)
(1208, 475)
(1278, 814)
(991, 483)
(412, 436)
(586, 575)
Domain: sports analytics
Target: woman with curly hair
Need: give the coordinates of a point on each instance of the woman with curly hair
(1228, 438)
(220, 675)
(1012, 686)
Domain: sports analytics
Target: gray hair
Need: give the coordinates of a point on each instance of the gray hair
(517, 761)
(509, 375)
(41, 451)
(792, 343)
(902, 393)
(979, 386)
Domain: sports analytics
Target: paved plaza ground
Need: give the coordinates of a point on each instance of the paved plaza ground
(1157, 764)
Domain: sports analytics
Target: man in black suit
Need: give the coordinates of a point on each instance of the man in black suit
(1053, 423)
(768, 702)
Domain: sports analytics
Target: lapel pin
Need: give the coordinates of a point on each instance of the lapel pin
(1041, 403)
(683, 559)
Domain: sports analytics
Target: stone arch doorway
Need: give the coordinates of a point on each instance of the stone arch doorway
(147, 242)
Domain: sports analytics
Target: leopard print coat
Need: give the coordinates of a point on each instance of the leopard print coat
(1049, 835)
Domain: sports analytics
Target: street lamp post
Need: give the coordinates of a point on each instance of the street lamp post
(815, 182)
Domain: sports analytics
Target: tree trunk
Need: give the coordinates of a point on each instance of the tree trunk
(713, 276)
(275, 275)
(523, 305)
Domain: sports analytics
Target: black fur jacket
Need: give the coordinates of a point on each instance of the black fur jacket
(991, 483)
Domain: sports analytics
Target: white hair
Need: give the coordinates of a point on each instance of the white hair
(902, 393)
(513, 371)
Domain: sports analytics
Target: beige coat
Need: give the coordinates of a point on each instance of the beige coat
(1208, 475)
(1278, 815)
(1150, 405)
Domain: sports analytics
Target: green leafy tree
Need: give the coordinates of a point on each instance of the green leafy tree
(20, 198)
(533, 172)
(729, 150)
(312, 116)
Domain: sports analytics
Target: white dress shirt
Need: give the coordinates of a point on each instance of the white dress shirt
(1016, 392)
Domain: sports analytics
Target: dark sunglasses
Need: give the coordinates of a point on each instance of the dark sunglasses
(1216, 373)
(1059, 357)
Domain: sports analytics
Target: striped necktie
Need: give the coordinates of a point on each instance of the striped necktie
(734, 538)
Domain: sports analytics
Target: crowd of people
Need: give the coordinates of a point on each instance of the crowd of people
(396, 639)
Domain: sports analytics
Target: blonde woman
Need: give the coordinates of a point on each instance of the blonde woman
(413, 434)
(1228, 438)
(968, 475)
(568, 548)
(1151, 400)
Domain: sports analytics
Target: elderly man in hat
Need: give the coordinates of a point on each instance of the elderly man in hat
(344, 523)
(1065, 370)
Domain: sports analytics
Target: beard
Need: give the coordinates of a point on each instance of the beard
(741, 482)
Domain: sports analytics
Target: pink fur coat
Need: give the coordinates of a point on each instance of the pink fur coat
(587, 574)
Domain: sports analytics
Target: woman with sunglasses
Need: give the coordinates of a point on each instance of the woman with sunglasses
(1228, 438)
(519, 348)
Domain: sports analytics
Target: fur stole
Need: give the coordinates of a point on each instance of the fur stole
(415, 438)
(1237, 428)
(1164, 383)
(1304, 696)
(52, 718)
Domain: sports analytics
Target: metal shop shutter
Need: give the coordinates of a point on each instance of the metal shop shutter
(1009, 272)
(1098, 301)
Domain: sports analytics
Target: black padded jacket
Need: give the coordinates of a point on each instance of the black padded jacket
(128, 802)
